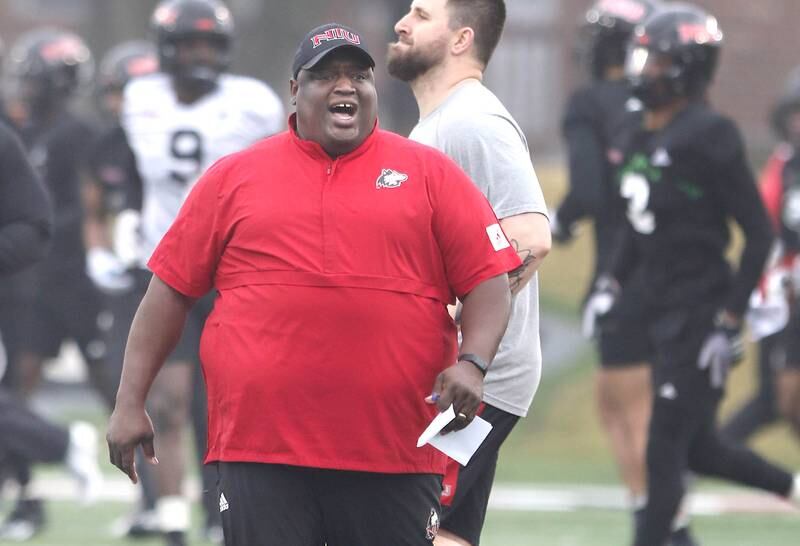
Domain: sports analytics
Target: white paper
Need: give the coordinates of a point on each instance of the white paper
(438, 423)
(460, 445)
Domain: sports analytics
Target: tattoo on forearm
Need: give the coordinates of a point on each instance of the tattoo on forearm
(527, 257)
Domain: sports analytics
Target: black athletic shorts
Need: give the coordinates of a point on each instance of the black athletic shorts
(622, 336)
(277, 505)
(60, 313)
(466, 489)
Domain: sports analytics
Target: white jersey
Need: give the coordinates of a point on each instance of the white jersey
(175, 143)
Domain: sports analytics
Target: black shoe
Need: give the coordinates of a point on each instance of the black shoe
(175, 538)
(24, 522)
(682, 537)
(141, 524)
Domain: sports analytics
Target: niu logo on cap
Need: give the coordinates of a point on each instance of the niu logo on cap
(390, 179)
(336, 34)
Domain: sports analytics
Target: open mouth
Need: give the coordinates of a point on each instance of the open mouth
(343, 111)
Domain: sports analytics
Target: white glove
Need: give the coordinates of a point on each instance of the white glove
(107, 272)
(722, 349)
(599, 303)
(126, 237)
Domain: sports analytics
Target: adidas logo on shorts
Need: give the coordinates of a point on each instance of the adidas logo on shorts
(223, 503)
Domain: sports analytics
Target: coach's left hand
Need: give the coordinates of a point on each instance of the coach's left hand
(461, 385)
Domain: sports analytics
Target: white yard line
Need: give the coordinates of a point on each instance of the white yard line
(506, 496)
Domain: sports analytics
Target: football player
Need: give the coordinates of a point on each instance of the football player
(178, 122)
(682, 170)
(593, 116)
(112, 199)
(781, 191)
(46, 68)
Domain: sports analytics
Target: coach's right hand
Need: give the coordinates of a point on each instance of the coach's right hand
(461, 385)
(127, 429)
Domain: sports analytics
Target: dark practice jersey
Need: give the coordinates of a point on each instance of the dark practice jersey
(593, 116)
(25, 211)
(59, 153)
(681, 186)
(113, 167)
(790, 205)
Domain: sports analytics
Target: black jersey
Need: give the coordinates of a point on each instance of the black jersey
(790, 204)
(58, 151)
(681, 186)
(113, 167)
(593, 116)
(25, 212)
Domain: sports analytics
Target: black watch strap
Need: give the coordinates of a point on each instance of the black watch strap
(477, 361)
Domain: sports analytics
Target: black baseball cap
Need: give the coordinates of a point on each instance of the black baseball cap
(324, 39)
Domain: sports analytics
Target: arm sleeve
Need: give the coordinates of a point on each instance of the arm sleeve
(25, 208)
(587, 164)
(741, 200)
(491, 151)
(472, 244)
(187, 256)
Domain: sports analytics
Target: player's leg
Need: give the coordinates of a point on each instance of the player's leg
(270, 505)
(682, 402)
(788, 378)
(789, 396)
(371, 508)
(466, 489)
(623, 387)
(168, 406)
(761, 409)
(81, 315)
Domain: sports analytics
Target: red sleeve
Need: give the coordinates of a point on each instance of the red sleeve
(187, 256)
(771, 186)
(473, 246)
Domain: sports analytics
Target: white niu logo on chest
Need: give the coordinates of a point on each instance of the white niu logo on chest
(390, 178)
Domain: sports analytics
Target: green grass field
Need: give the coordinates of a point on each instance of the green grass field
(560, 442)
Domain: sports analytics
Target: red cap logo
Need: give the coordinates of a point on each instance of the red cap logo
(336, 34)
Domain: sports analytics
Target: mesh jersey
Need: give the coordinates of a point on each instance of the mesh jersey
(174, 143)
(681, 185)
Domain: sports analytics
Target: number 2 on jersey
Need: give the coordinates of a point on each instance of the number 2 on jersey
(186, 149)
(636, 190)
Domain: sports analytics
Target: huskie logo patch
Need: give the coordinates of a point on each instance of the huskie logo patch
(433, 525)
(390, 178)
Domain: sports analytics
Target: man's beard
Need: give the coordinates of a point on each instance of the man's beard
(409, 65)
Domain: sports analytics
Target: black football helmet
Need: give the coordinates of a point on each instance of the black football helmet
(125, 61)
(605, 30)
(788, 104)
(48, 65)
(175, 21)
(686, 41)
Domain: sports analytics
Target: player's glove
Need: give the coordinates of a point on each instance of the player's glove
(560, 232)
(107, 271)
(599, 303)
(722, 349)
(125, 237)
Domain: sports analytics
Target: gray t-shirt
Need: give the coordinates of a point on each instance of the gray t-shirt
(474, 128)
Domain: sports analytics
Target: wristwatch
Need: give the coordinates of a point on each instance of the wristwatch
(476, 361)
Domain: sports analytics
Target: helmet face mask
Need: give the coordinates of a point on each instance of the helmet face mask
(194, 41)
(673, 55)
(123, 62)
